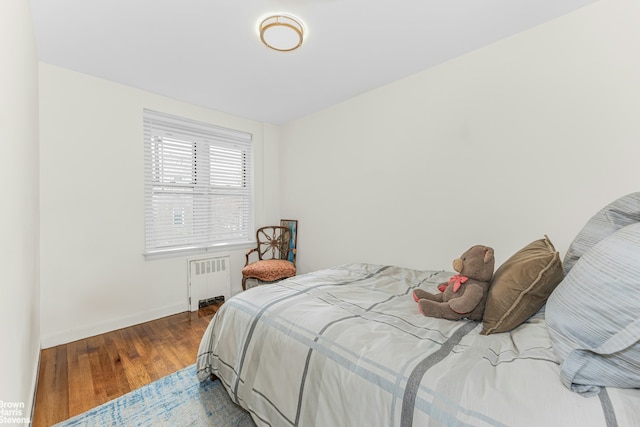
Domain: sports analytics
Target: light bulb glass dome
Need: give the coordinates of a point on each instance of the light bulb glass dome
(282, 32)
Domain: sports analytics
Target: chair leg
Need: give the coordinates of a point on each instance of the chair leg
(244, 283)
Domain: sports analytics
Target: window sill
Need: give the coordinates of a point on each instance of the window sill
(173, 253)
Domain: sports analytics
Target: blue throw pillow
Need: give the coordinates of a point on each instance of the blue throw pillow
(620, 213)
(593, 316)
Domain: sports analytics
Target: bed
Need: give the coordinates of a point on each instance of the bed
(347, 346)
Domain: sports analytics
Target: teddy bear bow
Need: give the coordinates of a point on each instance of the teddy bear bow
(457, 281)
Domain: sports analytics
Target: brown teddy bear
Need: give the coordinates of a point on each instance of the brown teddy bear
(465, 294)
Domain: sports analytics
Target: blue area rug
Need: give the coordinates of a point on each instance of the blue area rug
(176, 400)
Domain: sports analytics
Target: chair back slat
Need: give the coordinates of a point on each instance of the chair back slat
(273, 242)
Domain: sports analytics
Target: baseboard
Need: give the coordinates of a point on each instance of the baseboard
(86, 331)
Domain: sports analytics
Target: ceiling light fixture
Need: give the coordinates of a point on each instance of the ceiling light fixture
(282, 32)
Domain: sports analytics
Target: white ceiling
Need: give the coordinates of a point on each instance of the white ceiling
(208, 53)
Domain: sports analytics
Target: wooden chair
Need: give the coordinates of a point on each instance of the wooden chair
(273, 254)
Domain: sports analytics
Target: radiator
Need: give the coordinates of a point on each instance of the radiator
(209, 281)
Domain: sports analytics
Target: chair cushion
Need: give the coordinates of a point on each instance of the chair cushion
(269, 270)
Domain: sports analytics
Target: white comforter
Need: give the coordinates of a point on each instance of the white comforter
(347, 346)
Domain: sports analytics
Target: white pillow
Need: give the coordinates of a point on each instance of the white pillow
(620, 213)
(593, 316)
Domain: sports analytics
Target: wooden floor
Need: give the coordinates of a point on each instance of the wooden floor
(81, 375)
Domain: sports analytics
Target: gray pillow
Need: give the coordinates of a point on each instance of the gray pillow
(611, 218)
(592, 316)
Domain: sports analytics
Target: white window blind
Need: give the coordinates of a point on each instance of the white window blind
(198, 184)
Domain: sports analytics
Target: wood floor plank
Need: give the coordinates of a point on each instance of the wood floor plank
(47, 381)
(144, 364)
(80, 382)
(120, 385)
(81, 375)
(129, 359)
(100, 377)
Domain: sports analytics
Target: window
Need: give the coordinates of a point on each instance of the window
(198, 184)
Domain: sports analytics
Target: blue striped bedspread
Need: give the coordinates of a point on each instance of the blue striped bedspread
(347, 346)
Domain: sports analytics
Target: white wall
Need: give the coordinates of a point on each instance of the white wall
(94, 277)
(526, 137)
(19, 289)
